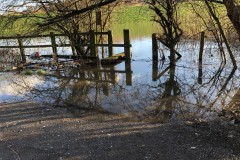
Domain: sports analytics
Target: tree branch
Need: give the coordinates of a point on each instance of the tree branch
(216, 1)
(75, 12)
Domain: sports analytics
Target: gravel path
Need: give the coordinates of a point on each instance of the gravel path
(34, 132)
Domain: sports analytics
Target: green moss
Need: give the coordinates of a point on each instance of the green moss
(28, 72)
(41, 72)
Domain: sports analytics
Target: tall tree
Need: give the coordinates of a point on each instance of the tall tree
(233, 12)
(234, 16)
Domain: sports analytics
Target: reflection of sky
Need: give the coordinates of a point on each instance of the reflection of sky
(144, 93)
(15, 5)
(141, 48)
(11, 86)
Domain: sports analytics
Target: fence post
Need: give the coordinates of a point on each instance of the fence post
(201, 46)
(92, 44)
(110, 42)
(154, 47)
(127, 44)
(73, 51)
(54, 47)
(20, 43)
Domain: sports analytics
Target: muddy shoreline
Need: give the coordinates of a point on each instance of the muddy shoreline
(36, 132)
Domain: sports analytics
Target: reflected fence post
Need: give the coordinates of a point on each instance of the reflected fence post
(128, 69)
(54, 48)
(154, 70)
(200, 74)
(22, 52)
(105, 89)
(113, 74)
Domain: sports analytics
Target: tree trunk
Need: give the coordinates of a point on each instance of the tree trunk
(222, 33)
(233, 14)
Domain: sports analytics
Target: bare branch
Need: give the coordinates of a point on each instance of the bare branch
(76, 12)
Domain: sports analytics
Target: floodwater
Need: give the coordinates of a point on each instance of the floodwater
(140, 88)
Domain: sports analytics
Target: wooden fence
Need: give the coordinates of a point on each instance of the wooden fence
(92, 43)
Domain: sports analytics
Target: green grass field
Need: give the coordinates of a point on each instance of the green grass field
(190, 22)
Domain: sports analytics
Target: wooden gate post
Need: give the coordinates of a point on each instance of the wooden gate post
(201, 46)
(127, 44)
(92, 44)
(154, 47)
(54, 48)
(110, 42)
(20, 43)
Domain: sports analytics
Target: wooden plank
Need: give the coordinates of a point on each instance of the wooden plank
(64, 45)
(47, 35)
(70, 57)
(117, 58)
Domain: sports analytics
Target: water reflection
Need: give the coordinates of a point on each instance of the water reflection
(140, 88)
(171, 89)
(159, 92)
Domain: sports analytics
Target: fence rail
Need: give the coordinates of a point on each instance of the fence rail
(92, 43)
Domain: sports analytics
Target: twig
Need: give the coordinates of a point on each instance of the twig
(18, 157)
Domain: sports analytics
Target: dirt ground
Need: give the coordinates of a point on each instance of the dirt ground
(36, 132)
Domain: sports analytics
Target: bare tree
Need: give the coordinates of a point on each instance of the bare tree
(63, 16)
(233, 15)
(167, 17)
(233, 12)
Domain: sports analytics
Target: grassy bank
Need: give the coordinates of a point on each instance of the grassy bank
(13, 25)
(130, 14)
(191, 23)
(189, 15)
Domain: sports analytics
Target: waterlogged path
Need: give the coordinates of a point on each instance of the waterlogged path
(140, 88)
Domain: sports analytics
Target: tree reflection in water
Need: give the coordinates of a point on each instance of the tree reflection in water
(173, 93)
(171, 89)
